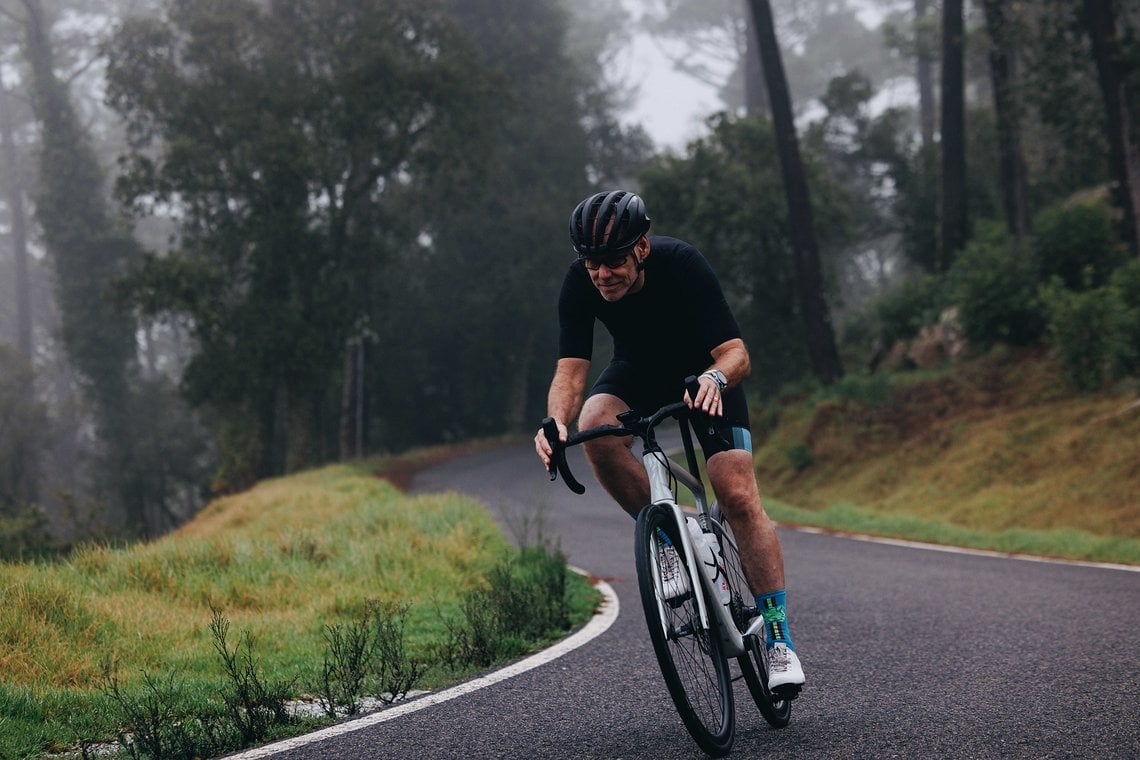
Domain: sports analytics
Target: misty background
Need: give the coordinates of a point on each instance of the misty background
(240, 238)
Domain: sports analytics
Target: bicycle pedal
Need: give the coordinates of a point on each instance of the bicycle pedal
(788, 691)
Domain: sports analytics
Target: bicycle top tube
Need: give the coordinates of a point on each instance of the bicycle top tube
(631, 424)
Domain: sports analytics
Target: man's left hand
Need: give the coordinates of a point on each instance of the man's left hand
(708, 398)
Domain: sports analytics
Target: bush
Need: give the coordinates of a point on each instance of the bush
(1095, 333)
(523, 602)
(906, 309)
(1126, 282)
(994, 283)
(1075, 242)
(369, 649)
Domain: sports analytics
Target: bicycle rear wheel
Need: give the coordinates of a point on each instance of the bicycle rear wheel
(692, 663)
(754, 663)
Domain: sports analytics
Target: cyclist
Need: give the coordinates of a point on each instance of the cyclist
(665, 309)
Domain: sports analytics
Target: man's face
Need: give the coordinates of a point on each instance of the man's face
(617, 276)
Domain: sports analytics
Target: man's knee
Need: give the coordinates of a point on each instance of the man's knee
(601, 409)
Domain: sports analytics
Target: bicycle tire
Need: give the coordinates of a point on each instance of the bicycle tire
(754, 663)
(692, 663)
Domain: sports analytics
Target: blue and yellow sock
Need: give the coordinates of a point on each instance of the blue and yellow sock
(773, 607)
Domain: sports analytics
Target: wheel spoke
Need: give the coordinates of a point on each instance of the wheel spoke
(695, 670)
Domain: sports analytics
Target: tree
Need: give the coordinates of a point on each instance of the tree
(809, 277)
(1116, 74)
(291, 138)
(89, 250)
(1003, 74)
(955, 229)
(924, 65)
(17, 222)
(23, 528)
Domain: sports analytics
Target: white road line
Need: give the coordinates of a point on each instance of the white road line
(958, 549)
(598, 625)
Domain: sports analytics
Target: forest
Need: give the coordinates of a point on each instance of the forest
(241, 238)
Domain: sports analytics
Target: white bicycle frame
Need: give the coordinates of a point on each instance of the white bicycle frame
(660, 469)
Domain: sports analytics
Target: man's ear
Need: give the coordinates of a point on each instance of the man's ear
(641, 250)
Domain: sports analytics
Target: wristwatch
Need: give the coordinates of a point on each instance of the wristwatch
(717, 377)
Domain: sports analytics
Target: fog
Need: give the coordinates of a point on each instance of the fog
(233, 257)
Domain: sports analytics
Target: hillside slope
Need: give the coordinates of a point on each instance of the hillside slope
(997, 443)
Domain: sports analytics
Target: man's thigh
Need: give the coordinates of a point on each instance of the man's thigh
(601, 409)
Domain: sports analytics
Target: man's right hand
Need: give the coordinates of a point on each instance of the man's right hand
(542, 446)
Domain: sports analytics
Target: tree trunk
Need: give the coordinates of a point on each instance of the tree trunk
(518, 380)
(755, 94)
(352, 401)
(924, 74)
(1003, 74)
(18, 222)
(809, 277)
(954, 222)
(1114, 73)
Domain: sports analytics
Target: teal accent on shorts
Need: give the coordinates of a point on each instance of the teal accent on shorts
(742, 439)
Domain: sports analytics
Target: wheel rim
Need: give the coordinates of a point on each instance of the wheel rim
(691, 662)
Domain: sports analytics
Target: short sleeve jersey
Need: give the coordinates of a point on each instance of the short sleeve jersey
(669, 327)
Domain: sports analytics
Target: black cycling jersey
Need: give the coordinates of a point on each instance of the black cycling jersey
(662, 334)
(669, 327)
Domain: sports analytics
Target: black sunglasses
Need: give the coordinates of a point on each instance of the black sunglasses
(613, 261)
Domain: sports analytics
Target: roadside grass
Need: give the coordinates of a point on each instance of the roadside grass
(1063, 543)
(995, 453)
(280, 564)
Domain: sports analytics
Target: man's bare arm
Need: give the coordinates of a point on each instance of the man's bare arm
(731, 358)
(563, 402)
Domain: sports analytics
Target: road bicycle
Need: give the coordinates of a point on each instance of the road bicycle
(698, 607)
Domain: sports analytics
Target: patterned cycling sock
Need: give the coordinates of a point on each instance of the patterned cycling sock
(773, 607)
(664, 538)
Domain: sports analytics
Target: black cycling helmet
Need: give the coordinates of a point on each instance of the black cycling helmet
(591, 231)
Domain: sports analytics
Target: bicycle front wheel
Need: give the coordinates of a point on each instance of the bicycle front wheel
(692, 663)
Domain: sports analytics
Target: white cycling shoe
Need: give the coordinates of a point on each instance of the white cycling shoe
(674, 579)
(785, 674)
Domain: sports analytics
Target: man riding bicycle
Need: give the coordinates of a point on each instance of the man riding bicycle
(665, 309)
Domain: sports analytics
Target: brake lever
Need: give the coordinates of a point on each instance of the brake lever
(693, 386)
(558, 463)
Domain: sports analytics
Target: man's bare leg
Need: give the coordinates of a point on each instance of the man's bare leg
(734, 482)
(615, 466)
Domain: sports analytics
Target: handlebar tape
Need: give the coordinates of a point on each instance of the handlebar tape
(558, 458)
(693, 386)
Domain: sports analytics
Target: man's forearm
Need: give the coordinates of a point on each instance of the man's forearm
(564, 400)
(731, 358)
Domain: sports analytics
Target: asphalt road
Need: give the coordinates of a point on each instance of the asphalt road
(908, 653)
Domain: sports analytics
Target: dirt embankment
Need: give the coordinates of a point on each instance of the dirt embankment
(995, 442)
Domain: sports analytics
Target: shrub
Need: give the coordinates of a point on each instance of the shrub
(524, 601)
(799, 456)
(908, 308)
(1093, 332)
(1075, 242)
(1126, 282)
(370, 649)
(994, 283)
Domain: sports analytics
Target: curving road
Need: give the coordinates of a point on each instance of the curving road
(908, 653)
